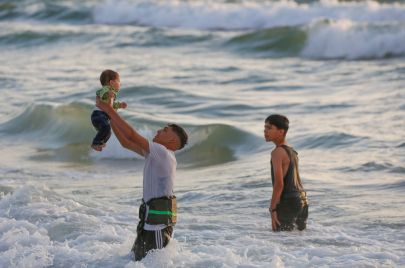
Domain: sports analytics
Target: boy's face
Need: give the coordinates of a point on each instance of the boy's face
(116, 83)
(271, 132)
(165, 135)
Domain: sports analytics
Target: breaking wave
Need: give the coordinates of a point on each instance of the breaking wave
(64, 133)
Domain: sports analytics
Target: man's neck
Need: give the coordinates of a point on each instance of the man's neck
(167, 146)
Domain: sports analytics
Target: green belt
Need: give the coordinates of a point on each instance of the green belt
(162, 210)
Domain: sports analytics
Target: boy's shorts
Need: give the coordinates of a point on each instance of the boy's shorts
(292, 213)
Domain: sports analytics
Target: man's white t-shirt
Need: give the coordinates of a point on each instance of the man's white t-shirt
(158, 175)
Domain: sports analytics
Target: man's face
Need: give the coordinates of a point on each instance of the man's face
(165, 135)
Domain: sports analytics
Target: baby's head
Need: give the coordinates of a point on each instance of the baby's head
(110, 78)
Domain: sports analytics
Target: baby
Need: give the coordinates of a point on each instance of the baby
(110, 80)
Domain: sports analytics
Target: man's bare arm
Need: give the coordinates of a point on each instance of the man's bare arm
(126, 132)
(125, 142)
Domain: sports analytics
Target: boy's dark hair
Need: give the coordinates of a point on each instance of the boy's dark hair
(181, 133)
(108, 75)
(278, 120)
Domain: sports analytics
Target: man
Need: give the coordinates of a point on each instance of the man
(157, 214)
(289, 205)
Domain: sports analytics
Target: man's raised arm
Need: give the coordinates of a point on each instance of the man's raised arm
(127, 136)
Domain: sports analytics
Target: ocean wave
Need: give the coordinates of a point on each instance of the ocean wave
(26, 34)
(63, 124)
(64, 133)
(217, 143)
(73, 11)
(168, 97)
(375, 167)
(215, 15)
(398, 186)
(277, 41)
(327, 140)
(202, 14)
(33, 38)
(345, 39)
(318, 30)
(401, 145)
(190, 103)
(155, 37)
(324, 39)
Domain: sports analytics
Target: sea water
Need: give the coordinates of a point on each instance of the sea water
(218, 68)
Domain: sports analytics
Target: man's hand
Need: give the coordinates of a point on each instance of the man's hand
(102, 105)
(111, 94)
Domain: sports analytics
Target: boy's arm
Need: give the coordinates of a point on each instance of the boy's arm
(277, 161)
(129, 135)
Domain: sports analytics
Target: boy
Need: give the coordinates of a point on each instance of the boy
(289, 205)
(110, 80)
(157, 214)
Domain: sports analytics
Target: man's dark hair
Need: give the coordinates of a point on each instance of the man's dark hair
(278, 120)
(181, 133)
(108, 75)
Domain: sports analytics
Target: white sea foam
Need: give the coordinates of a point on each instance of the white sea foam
(213, 15)
(39, 228)
(23, 244)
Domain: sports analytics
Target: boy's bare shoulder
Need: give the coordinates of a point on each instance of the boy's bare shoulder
(278, 152)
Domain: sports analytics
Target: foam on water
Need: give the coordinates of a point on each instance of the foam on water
(40, 227)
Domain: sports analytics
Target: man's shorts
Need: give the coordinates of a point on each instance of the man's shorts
(149, 240)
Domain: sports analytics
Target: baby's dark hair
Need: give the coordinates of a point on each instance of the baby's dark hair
(278, 120)
(108, 75)
(181, 133)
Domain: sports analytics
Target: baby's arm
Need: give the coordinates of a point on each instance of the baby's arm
(124, 105)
